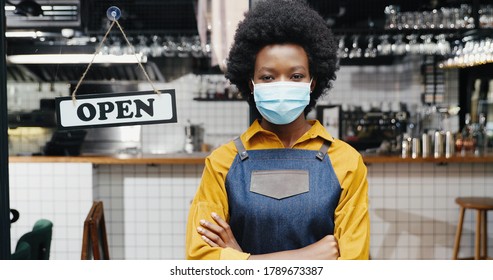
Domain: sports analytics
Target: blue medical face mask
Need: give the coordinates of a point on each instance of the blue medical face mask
(281, 102)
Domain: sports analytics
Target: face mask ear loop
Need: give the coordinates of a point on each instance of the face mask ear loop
(253, 86)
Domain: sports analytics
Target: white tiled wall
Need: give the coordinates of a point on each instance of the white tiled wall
(59, 192)
(26, 96)
(413, 211)
(412, 208)
(146, 208)
(156, 209)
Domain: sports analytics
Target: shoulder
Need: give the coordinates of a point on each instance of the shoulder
(343, 148)
(344, 157)
(223, 156)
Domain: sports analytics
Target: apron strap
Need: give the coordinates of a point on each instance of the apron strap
(244, 154)
(241, 149)
(323, 150)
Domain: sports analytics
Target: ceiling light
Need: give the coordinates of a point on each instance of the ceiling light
(74, 58)
(21, 34)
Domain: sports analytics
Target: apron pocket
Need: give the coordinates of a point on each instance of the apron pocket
(280, 184)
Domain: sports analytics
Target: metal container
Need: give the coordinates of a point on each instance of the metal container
(194, 137)
(416, 148)
(438, 145)
(406, 147)
(449, 144)
(426, 145)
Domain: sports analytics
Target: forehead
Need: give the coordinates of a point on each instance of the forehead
(281, 54)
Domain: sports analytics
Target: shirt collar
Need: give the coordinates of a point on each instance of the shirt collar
(317, 130)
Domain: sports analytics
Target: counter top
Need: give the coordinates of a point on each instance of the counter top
(198, 158)
(172, 158)
(455, 159)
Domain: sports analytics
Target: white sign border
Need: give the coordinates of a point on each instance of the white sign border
(170, 92)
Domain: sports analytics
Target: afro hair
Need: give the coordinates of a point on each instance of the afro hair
(279, 22)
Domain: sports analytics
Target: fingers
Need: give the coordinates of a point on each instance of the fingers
(219, 233)
(214, 234)
(331, 239)
(226, 229)
(209, 235)
(218, 230)
(333, 245)
(221, 229)
(220, 221)
(208, 241)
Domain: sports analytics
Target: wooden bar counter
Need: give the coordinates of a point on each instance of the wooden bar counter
(147, 197)
(198, 158)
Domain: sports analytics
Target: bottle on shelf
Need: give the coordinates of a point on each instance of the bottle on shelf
(211, 88)
(480, 136)
(475, 99)
(468, 144)
(219, 85)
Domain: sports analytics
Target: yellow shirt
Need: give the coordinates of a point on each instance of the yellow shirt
(351, 218)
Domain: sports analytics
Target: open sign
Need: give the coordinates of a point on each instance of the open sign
(116, 109)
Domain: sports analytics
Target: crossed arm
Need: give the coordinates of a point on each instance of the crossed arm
(219, 234)
(351, 218)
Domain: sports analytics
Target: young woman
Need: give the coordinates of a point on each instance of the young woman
(285, 189)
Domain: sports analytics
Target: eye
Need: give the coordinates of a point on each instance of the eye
(266, 78)
(297, 77)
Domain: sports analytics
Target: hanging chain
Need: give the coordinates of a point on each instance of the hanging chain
(98, 49)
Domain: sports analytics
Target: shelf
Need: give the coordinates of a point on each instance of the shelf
(379, 60)
(383, 31)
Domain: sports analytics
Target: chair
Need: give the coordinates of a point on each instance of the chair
(481, 205)
(94, 240)
(22, 252)
(35, 245)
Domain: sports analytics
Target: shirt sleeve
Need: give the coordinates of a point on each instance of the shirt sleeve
(352, 221)
(210, 197)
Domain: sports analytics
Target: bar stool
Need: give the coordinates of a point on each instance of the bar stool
(481, 205)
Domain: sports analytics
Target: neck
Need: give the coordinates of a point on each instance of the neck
(288, 133)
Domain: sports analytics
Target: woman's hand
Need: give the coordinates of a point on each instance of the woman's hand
(324, 249)
(219, 234)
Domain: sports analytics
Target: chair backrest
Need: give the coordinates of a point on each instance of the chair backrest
(94, 239)
(39, 240)
(22, 252)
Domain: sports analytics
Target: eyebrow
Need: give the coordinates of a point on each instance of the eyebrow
(298, 67)
(294, 68)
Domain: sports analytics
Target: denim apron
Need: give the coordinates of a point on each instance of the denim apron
(281, 199)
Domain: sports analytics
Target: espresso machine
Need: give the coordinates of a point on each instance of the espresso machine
(368, 129)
